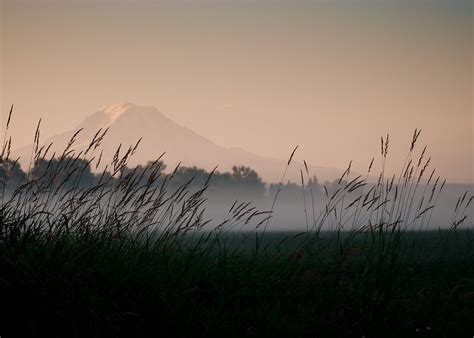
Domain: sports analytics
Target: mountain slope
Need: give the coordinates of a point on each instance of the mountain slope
(128, 122)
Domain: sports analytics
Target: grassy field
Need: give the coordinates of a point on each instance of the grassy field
(123, 258)
(101, 287)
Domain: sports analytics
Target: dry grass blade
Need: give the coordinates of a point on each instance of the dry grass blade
(9, 117)
(292, 154)
(306, 167)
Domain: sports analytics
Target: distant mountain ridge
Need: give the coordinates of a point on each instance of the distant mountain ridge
(128, 122)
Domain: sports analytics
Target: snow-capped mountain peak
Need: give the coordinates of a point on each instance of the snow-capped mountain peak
(128, 122)
(113, 112)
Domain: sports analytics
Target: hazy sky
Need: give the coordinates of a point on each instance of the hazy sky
(331, 76)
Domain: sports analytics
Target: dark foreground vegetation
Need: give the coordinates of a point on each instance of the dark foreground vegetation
(131, 255)
(100, 287)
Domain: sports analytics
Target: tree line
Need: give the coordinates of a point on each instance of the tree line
(76, 173)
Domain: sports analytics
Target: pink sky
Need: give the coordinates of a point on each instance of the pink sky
(260, 75)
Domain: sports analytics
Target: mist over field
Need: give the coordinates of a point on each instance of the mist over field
(289, 213)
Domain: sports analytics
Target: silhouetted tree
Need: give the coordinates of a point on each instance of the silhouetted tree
(11, 174)
(150, 173)
(289, 191)
(248, 180)
(70, 172)
(196, 177)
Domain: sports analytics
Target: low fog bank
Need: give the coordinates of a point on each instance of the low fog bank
(290, 213)
(241, 196)
(293, 212)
